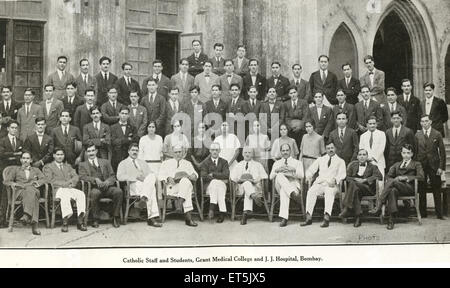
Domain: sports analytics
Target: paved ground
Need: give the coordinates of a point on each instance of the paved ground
(258, 232)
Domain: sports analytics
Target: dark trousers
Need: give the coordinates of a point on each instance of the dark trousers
(111, 192)
(3, 204)
(30, 201)
(436, 189)
(355, 191)
(392, 190)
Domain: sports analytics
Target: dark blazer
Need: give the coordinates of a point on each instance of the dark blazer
(219, 172)
(431, 150)
(303, 90)
(13, 109)
(386, 114)
(438, 114)
(324, 124)
(110, 115)
(77, 101)
(43, 152)
(348, 149)
(278, 109)
(372, 172)
(413, 110)
(67, 142)
(413, 171)
(196, 64)
(169, 115)
(121, 142)
(218, 66)
(300, 112)
(102, 86)
(82, 117)
(351, 115)
(240, 107)
(123, 90)
(329, 88)
(140, 120)
(254, 109)
(156, 111)
(7, 157)
(93, 137)
(351, 91)
(107, 172)
(3, 130)
(362, 114)
(393, 150)
(163, 86)
(261, 84)
(221, 108)
(282, 87)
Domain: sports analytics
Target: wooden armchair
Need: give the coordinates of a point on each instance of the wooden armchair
(275, 199)
(130, 200)
(166, 198)
(204, 196)
(235, 197)
(342, 188)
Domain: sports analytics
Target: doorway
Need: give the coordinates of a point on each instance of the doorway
(167, 50)
(3, 27)
(343, 50)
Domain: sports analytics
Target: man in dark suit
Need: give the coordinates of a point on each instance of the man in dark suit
(236, 108)
(436, 108)
(296, 114)
(272, 113)
(362, 177)
(350, 85)
(51, 108)
(9, 107)
(301, 84)
(412, 106)
(253, 104)
(321, 116)
(197, 59)
(215, 106)
(97, 133)
(105, 80)
(374, 79)
(156, 106)
(173, 106)
(396, 138)
(324, 81)
(345, 139)
(431, 154)
(400, 182)
(194, 108)
(366, 108)
(218, 60)
(3, 126)
(68, 137)
(214, 171)
(253, 78)
(240, 62)
(343, 106)
(389, 107)
(40, 145)
(26, 117)
(85, 81)
(126, 84)
(71, 101)
(100, 174)
(82, 113)
(122, 135)
(111, 108)
(163, 82)
(279, 82)
(138, 114)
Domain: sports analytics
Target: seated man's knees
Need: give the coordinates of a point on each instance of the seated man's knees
(185, 181)
(95, 194)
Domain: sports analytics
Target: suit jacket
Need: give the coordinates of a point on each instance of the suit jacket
(196, 64)
(303, 89)
(107, 172)
(299, 113)
(329, 88)
(13, 109)
(164, 86)
(7, 157)
(243, 69)
(413, 110)
(221, 109)
(281, 87)
(67, 142)
(82, 117)
(199, 110)
(362, 114)
(82, 86)
(413, 171)
(18, 176)
(254, 109)
(386, 114)
(221, 171)
(218, 66)
(77, 101)
(92, 136)
(123, 90)
(60, 178)
(205, 87)
(351, 115)
(378, 87)
(110, 115)
(278, 109)
(223, 82)
(260, 83)
(352, 90)
(156, 111)
(60, 84)
(121, 142)
(348, 149)
(431, 150)
(183, 86)
(140, 120)
(438, 114)
(40, 152)
(240, 107)
(27, 123)
(102, 87)
(169, 115)
(394, 146)
(324, 124)
(372, 173)
(3, 130)
(52, 119)
(127, 170)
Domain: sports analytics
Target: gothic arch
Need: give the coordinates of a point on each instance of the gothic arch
(343, 47)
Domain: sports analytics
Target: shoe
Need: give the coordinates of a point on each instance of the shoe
(35, 229)
(344, 213)
(189, 222)
(65, 226)
(390, 225)
(81, 227)
(244, 219)
(326, 221)
(220, 218)
(357, 222)
(25, 220)
(307, 222)
(95, 224)
(116, 223)
(211, 215)
(441, 217)
(283, 223)
(375, 212)
(153, 223)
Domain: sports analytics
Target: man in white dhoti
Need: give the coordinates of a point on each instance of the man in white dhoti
(177, 175)
(332, 171)
(248, 175)
(142, 183)
(286, 175)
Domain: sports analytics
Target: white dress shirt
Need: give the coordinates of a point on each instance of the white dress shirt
(291, 162)
(428, 103)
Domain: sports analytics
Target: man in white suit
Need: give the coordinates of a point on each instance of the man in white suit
(205, 81)
(28, 114)
(183, 80)
(374, 79)
(374, 142)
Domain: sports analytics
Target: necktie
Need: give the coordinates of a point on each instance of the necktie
(329, 162)
(66, 133)
(135, 165)
(178, 164)
(7, 106)
(347, 81)
(175, 107)
(96, 127)
(392, 108)
(13, 139)
(371, 140)
(341, 136)
(157, 78)
(403, 165)
(229, 79)
(396, 134)
(27, 110)
(152, 97)
(246, 166)
(105, 76)
(427, 135)
(114, 105)
(324, 78)
(215, 162)
(216, 104)
(294, 105)
(234, 103)
(286, 162)
(60, 167)
(297, 82)
(367, 104)
(86, 79)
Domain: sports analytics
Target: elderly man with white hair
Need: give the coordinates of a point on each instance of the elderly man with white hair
(248, 175)
(214, 172)
(286, 174)
(177, 175)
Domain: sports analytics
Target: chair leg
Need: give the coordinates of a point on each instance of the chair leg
(272, 206)
(53, 214)
(302, 205)
(233, 205)
(163, 218)
(11, 216)
(266, 206)
(127, 210)
(202, 204)
(86, 217)
(419, 217)
(199, 208)
(383, 214)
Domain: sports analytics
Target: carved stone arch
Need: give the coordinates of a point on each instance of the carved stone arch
(343, 50)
